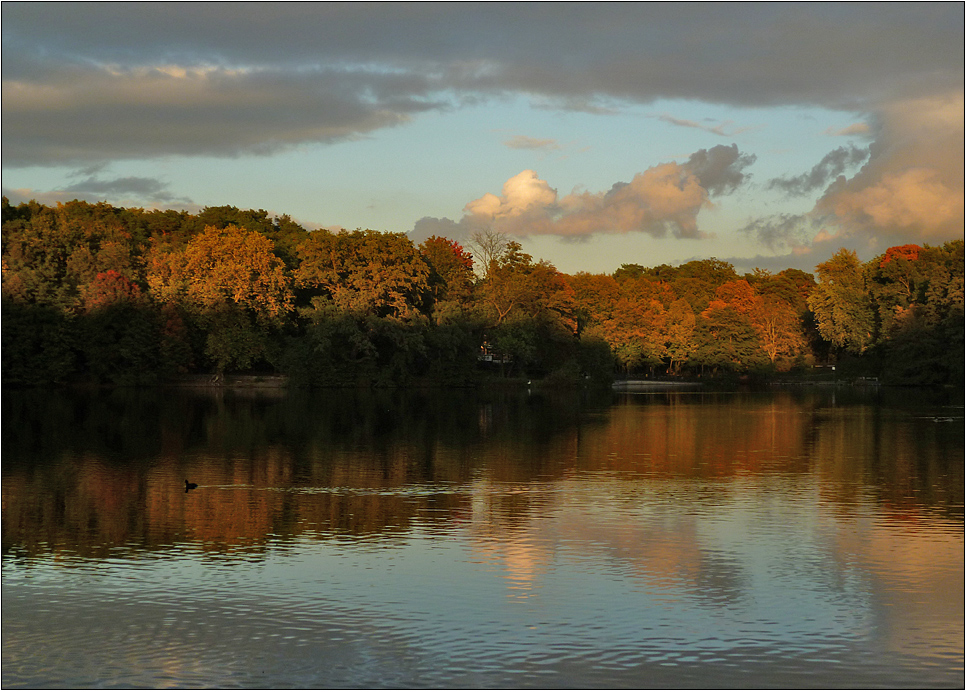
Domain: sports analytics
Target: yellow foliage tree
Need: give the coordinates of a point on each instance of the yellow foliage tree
(234, 266)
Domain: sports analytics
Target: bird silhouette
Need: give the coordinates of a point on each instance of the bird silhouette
(190, 486)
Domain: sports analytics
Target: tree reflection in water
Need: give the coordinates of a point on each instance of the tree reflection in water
(801, 516)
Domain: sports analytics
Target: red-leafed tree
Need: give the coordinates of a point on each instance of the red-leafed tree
(108, 288)
(451, 268)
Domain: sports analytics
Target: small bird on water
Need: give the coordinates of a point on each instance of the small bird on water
(190, 486)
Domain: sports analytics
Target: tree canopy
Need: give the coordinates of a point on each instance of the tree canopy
(93, 292)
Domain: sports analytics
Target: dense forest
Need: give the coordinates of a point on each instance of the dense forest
(100, 294)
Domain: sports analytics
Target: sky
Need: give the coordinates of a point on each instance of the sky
(764, 134)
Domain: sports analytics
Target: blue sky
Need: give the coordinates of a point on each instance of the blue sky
(597, 134)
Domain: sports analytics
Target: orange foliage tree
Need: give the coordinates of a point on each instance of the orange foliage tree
(364, 272)
(233, 266)
(238, 289)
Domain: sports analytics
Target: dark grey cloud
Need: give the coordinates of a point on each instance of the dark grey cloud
(145, 113)
(88, 187)
(720, 169)
(147, 188)
(782, 231)
(833, 165)
(101, 81)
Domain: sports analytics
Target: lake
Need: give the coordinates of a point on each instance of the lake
(808, 537)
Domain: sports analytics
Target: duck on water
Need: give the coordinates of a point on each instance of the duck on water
(190, 486)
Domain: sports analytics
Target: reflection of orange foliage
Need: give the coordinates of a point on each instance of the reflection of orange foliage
(241, 503)
(687, 438)
(257, 493)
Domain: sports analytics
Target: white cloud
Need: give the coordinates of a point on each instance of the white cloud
(522, 194)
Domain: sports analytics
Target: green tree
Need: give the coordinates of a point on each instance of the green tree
(726, 339)
(841, 303)
(893, 279)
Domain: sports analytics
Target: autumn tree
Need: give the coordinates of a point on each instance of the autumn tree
(636, 332)
(487, 247)
(841, 303)
(451, 268)
(528, 308)
(595, 296)
(109, 288)
(239, 289)
(516, 285)
(366, 272)
(679, 334)
(779, 329)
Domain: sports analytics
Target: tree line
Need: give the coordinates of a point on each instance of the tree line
(96, 293)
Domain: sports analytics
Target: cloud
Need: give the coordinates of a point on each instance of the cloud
(523, 194)
(825, 241)
(662, 199)
(719, 169)
(856, 129)
(93, 113)
(913, 183)
(446, 228)
(833, 165)
(145, 188)
(910, 188)
(724, 129)
(524, 142)
(780, 231)
(93, 82)
(125, 191)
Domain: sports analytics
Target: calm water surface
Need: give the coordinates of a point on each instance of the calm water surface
(810, 538)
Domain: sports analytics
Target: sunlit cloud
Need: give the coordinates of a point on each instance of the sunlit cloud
(913, 183)
(664, 199)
